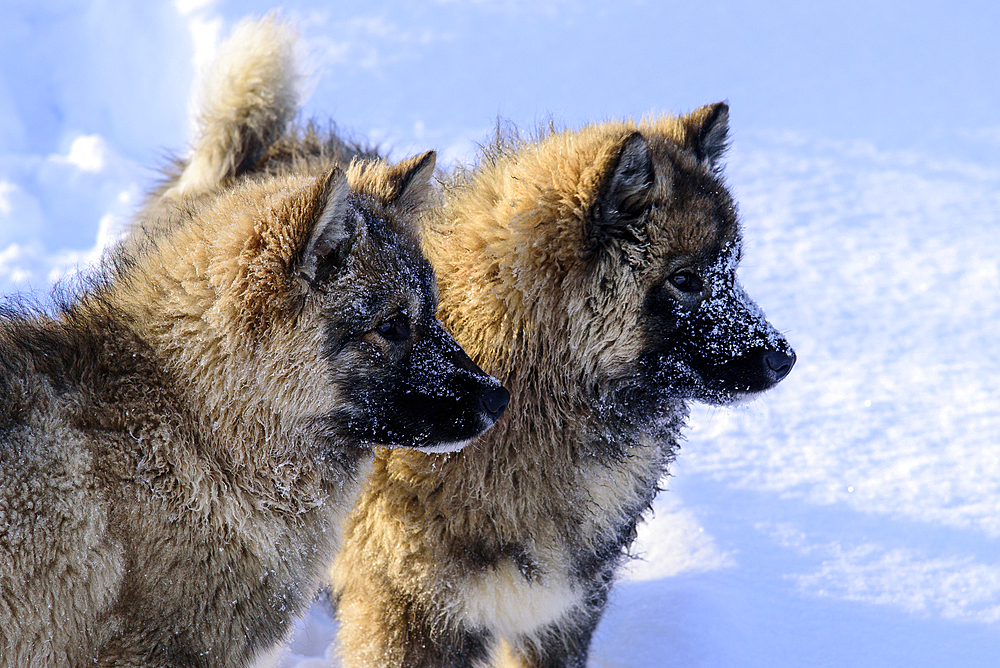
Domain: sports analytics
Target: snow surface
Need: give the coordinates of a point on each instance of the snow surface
(849, 517)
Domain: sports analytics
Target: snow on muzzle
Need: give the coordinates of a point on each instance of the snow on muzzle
(460, 398)
(734, 348)
(434, 399)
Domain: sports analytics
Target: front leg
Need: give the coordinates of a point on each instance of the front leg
(383, 627)
(562, 644)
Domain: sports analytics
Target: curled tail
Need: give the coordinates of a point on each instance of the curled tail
(248, 98)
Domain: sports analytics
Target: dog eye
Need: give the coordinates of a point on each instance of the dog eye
(396, 329)
(686, 281)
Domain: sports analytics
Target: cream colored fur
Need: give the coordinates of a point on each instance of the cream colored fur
(247, 98)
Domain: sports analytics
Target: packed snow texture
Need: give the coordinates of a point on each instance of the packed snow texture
(850, 516)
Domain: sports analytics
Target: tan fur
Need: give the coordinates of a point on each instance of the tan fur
(179, 497)
(518, 537)
(249, 94)
(181, 440)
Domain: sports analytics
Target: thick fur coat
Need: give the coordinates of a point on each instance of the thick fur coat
(593, 272)
(181, 437)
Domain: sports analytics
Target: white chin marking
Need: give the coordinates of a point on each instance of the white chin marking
(451, 446)
(743, 398)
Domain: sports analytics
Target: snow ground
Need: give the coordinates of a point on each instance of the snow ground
(849, 517)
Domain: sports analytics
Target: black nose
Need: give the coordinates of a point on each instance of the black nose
(779, 363)
(495, 401)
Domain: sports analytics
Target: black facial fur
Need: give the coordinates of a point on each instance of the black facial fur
(435, 395)
(430, 394)
(720, 349)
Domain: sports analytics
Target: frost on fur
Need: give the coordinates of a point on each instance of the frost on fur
(593, 271)
(182, 437)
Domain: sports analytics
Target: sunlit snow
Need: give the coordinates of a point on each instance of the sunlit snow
(850, 516)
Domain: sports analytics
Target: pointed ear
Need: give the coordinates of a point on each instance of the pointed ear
(410, 180)
(628, 181)
(332, 231)
(405, 186)
(708, 133)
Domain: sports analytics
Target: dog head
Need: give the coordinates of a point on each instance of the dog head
(320, 307)
(406, 381)
(606, 258)
(663, 209)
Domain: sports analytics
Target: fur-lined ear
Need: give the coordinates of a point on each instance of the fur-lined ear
(627, 184)
(405, 186)
(624, 193)
(332, 232)
(708, 133)
(410, 180)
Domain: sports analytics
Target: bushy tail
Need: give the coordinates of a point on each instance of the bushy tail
(248, 97)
